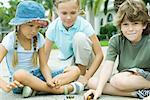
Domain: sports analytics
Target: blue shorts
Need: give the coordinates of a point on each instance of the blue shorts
(38, 74)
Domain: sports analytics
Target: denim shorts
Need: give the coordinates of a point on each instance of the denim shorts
(38, 74)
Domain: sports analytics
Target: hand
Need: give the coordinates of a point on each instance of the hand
(12, 85)
(50, 83)
(83, 80)
(91, 94)
(57, 81)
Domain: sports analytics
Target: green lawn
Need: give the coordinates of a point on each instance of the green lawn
(102, 43)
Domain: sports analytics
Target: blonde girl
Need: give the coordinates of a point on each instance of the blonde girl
(75, 38)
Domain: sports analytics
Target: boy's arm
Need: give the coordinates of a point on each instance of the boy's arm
(106, 71)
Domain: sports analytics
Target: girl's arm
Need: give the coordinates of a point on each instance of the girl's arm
(106, 71)
(45, 70)
(7, 87)
(48, 47)
(3, 84)
(98, 57)
(3, 52)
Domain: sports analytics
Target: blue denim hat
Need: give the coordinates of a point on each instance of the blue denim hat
(28, 11)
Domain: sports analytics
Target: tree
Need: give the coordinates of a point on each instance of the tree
(92, 8)
(92, 4)
(7, 14)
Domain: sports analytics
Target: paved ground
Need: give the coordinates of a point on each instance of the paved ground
(53, 60)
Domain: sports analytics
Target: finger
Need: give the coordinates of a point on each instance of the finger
(13, 85)
(9, 87)
(53, 81)
(57, 87)
(51, 84)
(95, 97)
(18, 83)
(56, 82)
(59, 82)
(86, 95)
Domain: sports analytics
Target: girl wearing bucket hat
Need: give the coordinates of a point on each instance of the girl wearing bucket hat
(22, 53)
(23, 46)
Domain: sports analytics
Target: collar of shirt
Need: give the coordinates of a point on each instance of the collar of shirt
(74, 27)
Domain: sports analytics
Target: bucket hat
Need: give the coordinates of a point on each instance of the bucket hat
(28, 11)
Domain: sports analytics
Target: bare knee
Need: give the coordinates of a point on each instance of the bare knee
(76, 71)
(92, 83)
(120, 83)
(20, 75)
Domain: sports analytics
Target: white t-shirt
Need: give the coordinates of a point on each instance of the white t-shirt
(24, 56)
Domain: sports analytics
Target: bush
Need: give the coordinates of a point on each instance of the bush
(107, 31)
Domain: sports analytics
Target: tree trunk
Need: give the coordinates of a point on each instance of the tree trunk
(90, 16)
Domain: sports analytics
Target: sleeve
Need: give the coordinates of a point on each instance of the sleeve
(41, 40)
(113, 48)
(8, 41)
(88, 29)
(50, 33)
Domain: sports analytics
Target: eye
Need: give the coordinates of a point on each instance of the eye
(31, 25)
(38, 27)
(74, 12)
(125, 24)
(64, 13)
(136, 23)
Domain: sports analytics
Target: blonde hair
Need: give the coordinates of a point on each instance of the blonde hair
(57, 2)
(35, 53)
(81, 12)
(15, 55)
(34, 56)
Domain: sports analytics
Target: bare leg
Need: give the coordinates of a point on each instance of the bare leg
(72, 71)
(109, 89)
(128, 81)
(35, 83)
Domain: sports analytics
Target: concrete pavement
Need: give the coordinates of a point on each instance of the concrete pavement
(53, 60)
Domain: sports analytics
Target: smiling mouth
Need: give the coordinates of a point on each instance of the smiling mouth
(132, 33)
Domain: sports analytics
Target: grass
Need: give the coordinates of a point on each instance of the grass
(102, 43)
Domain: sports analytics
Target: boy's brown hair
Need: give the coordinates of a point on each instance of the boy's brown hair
(133, 10)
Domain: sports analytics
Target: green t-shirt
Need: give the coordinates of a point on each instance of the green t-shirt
(129, 55)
